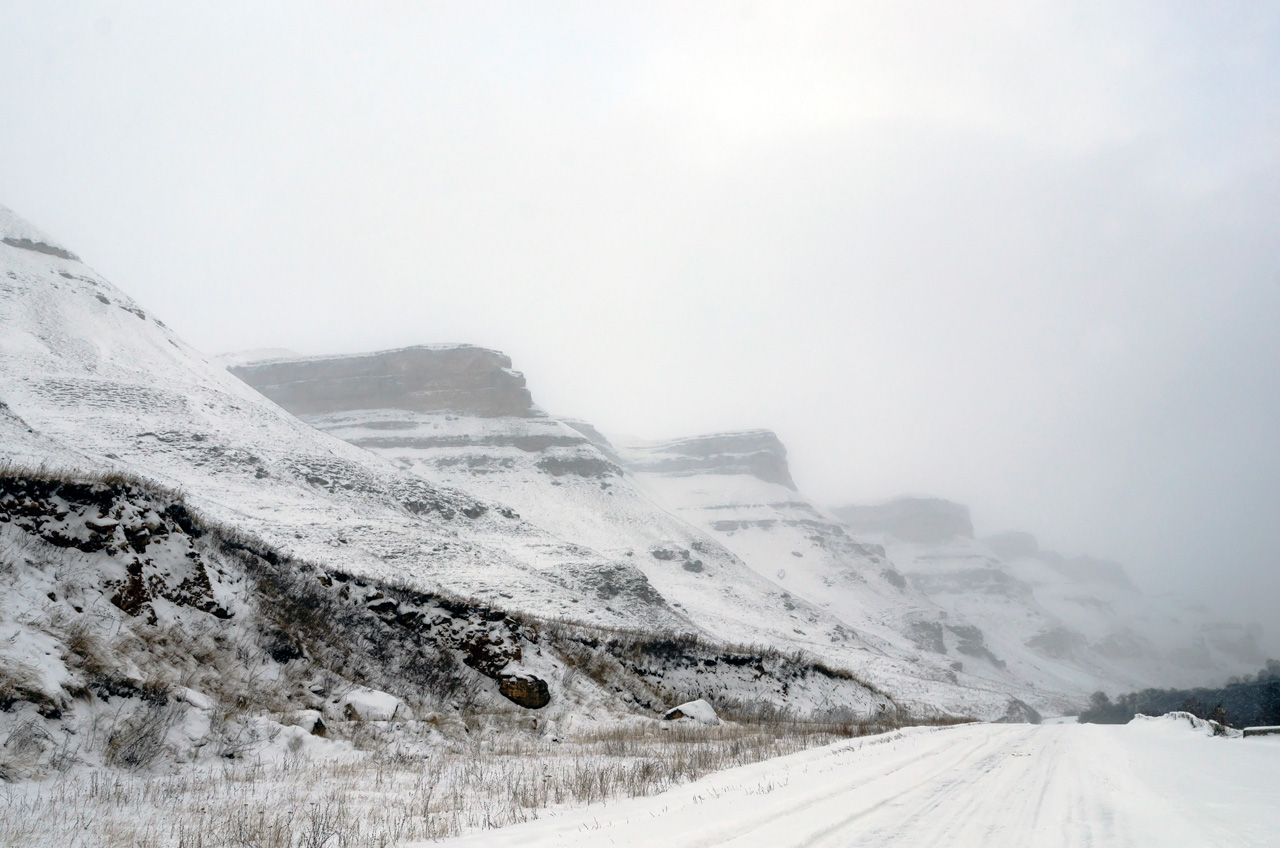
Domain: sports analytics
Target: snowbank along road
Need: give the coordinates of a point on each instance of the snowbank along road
(1152, 782)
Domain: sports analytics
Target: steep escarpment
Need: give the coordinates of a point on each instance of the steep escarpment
(754, 510)
(759, 453)
(454, 378)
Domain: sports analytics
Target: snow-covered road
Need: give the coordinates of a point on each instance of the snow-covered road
(1153, 782)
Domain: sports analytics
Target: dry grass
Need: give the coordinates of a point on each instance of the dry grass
(387, 798)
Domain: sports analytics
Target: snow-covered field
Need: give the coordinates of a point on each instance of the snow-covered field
(383, 784)
(1151, 782)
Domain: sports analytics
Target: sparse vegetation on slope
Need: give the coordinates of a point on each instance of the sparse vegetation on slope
(176, 682)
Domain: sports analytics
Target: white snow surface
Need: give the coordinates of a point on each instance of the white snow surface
(1151, 782)
(698, 711)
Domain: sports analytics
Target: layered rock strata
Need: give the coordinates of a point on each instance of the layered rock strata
(453, 378)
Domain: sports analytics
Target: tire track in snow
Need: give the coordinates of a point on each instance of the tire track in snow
(974, 786)
(794, 825)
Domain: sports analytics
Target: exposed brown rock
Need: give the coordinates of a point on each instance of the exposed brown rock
(526, 690)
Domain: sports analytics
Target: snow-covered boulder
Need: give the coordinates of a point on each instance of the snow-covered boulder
(698, 711)
(372, 705)
(309, 720)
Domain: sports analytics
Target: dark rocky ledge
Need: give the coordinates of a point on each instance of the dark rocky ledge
(40, 247)
(464, 379)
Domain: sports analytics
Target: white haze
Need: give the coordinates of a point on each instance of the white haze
(1021, 255)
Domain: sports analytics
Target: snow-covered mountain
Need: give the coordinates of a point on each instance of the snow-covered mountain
(901, 592)
(90, 380)
(1078, 616)
(94, 388)
(908, 571)
(431, 468)
(461, 418)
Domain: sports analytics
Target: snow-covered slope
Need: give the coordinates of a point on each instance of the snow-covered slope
(459, 417)
(713, 523)
(737, 487)
(89, 379)
(92, 383)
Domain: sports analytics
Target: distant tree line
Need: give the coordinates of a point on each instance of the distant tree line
(1246, 701)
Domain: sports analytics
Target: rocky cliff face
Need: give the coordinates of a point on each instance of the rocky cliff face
(759, 453)
(461, 378)
(911, 519)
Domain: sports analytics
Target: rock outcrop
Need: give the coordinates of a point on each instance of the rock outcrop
(698, 711)
(525, 690)
(759, 453)
(457, 378)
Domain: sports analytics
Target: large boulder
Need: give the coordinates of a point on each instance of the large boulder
(1018, 712)
(525, 690)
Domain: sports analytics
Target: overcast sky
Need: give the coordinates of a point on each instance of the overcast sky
(1022, 255)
